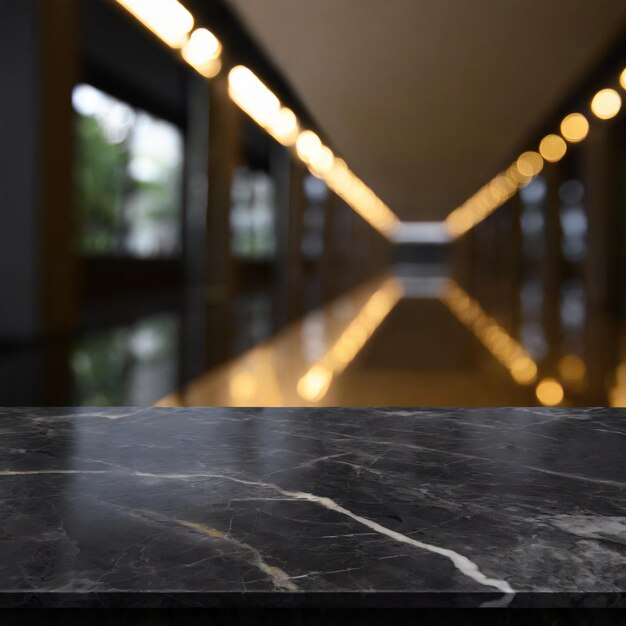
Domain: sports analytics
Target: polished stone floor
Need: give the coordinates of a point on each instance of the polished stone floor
(313, 507)
(412, 337)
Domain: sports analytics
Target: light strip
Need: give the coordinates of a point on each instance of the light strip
(167, 19)
(574, 128)
(483, 203)
(314, 385)
(617, 393)
(202, 51)
(172, 22)
(261, 104)
(502, 346)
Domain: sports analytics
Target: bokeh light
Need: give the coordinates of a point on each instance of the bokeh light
(529, 164)
(574, 127)
(549, 392)
(606, 104)
(552, 148)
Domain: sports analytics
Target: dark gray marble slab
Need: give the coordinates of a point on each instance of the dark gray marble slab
(312, 507)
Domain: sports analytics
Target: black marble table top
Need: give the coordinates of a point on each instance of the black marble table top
(312, 507)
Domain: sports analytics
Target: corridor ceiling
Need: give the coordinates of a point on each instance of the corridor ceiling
(428, 99)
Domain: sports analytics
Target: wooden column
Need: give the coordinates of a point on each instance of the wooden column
(290, 239)
(551, 267)
(224, 142)
(599, 272)
(598, 157)
(224, 137)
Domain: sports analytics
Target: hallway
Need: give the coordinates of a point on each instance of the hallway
(201, 235)
(313, 312)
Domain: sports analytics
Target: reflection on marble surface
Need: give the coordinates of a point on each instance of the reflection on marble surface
(299, 364)
(421, 339)
(319, 360)
(370, 507)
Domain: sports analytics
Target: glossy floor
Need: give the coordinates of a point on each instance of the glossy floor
(413, 337)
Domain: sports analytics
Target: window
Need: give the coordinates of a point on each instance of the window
(573, 220)
(128, 176)
(316, 194)
(252, 216)
(533, 197)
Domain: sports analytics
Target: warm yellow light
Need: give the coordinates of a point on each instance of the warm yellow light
(167, 19)
(202, 52)
(322, 163)
(574, 127)
(622, 79)
(502, 188)
(529, 164)
(523, 369)
(549, 392)
(516, 178)
(251, 95)
(349, 187)
(308, 146)
(339, 176)
(620, 374)
(552, 148)
(284, 127)
(572, 369)
(501, 345)
(243, 387)
(484, 202)
(617, 397)
(314, 384)
(260, 103)
(606, 104)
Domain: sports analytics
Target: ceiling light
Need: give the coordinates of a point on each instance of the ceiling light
(572, 368)
(308, 146)
(322, 164)
(552, 148)
(253, 97)
(606, 104)
(284, 127)
(202, 52)
(250, 94)
(167, 19)
(549, 392)
(529, 164)
(574, 127)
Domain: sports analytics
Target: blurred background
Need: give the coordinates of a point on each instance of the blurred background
(298, 202)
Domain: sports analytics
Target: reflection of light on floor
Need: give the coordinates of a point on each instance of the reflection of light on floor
(617, 394)
(315, 383)
(573, 373)
(303, 362)
(255, 380)
(501, 345)
(549, 392)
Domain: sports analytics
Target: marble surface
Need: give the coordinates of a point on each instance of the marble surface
(312, 507)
